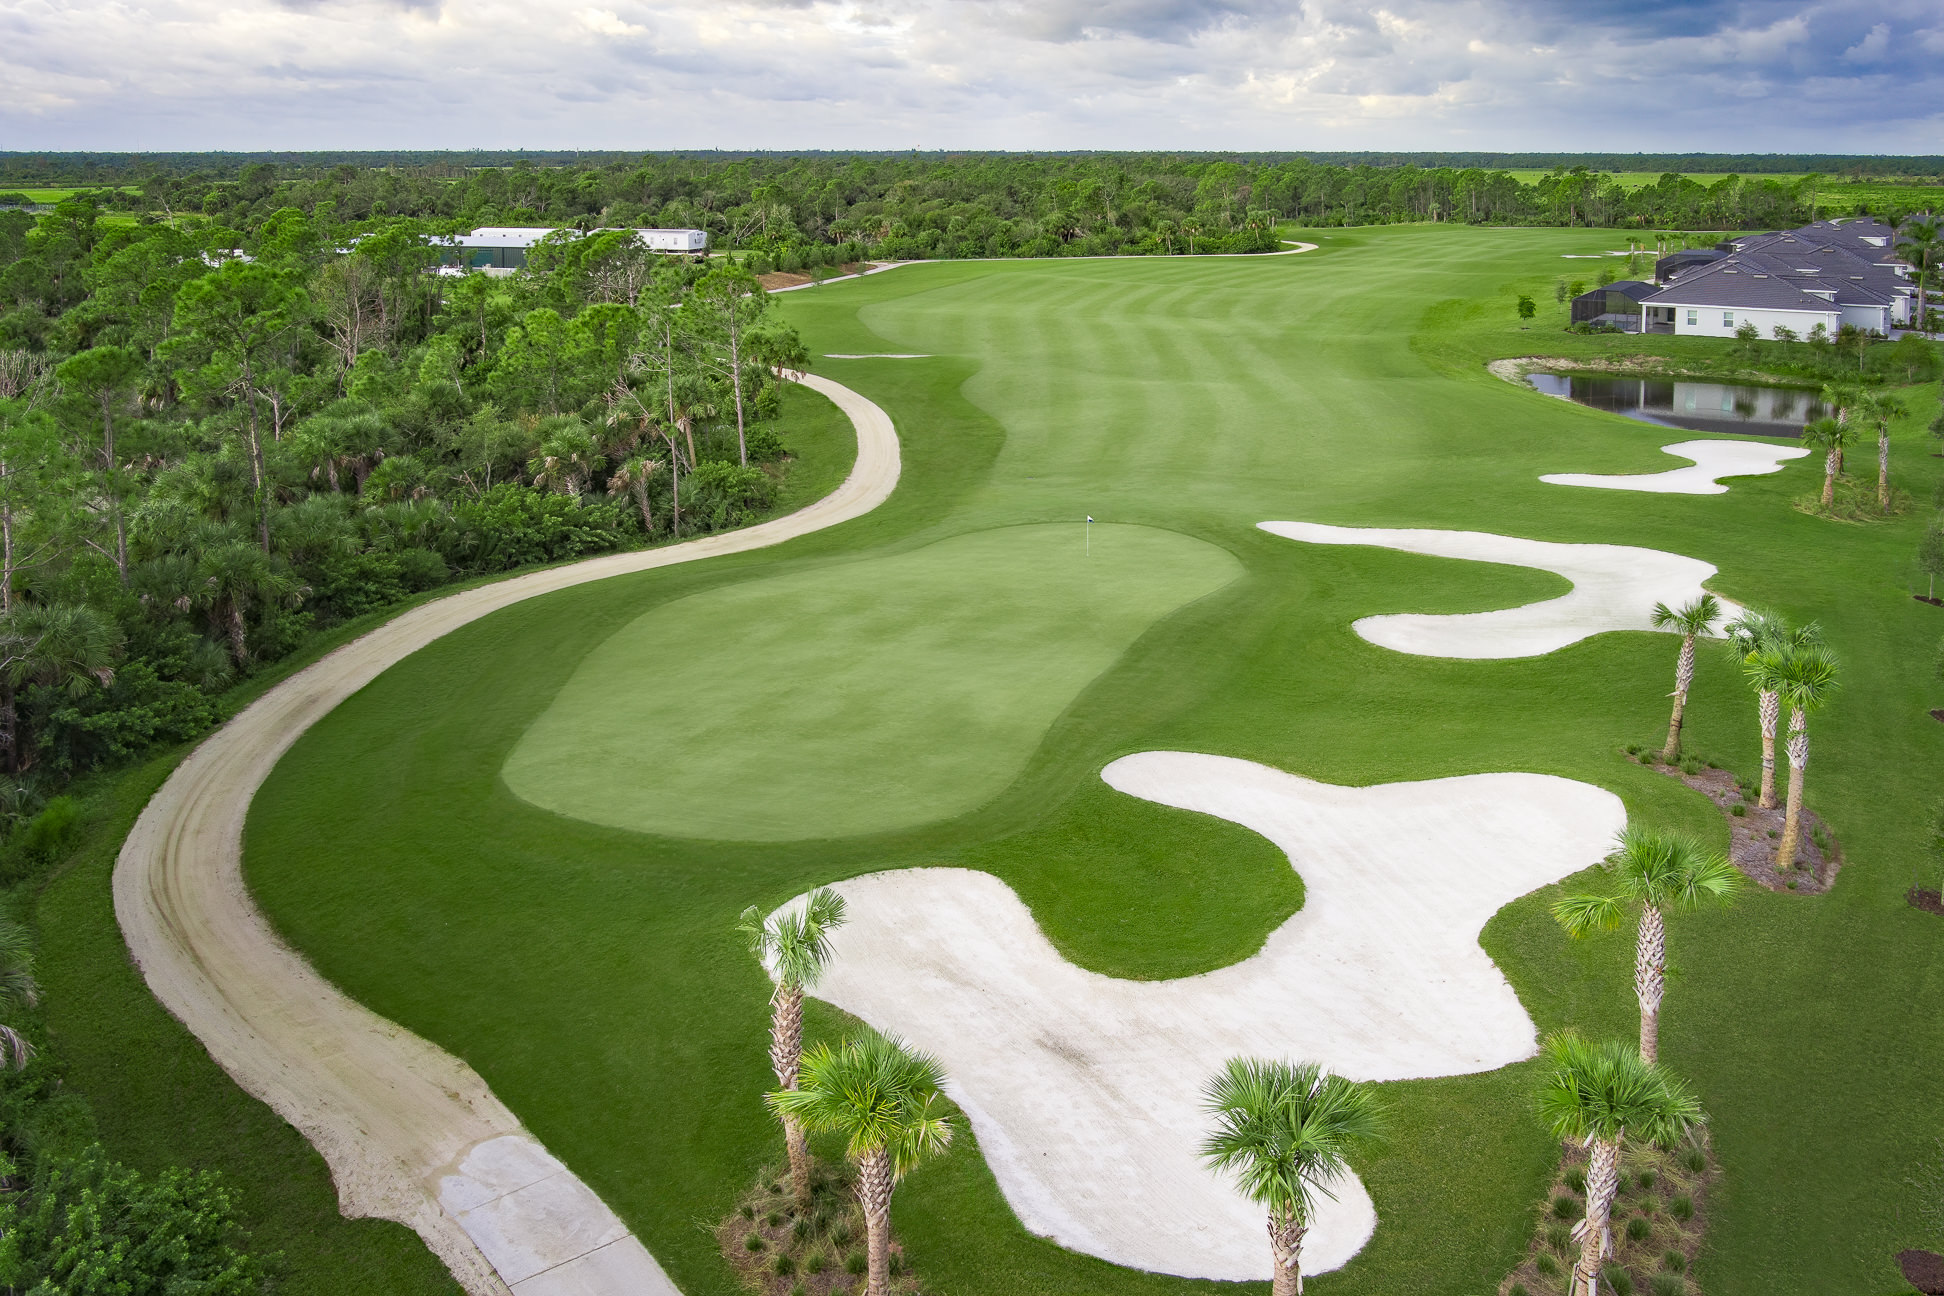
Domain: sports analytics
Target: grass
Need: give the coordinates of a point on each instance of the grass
(983, 637)
(160, 1100)
(589, 974)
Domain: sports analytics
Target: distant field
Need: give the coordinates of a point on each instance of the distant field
(59, 195)
(1835, 196)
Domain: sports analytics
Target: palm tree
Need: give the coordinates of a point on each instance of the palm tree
(885, 1099)
(1286, 1131)
(1804, 679)
(1657, 872)
(1829, 435)
(1601, 1095)
(632, 477)
(796, 948)
(235, 576)
(1750, 635)
(1922, 238)
(1689, 622)
(1878, 410)
(18, 989)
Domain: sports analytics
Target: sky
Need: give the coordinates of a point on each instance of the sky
(1500, 75)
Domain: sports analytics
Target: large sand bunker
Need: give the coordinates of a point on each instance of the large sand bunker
(1085, 1089)
(1713, 460)
(1615, 587)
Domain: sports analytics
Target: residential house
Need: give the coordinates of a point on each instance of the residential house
(1833, 274)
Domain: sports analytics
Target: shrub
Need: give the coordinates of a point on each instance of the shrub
(88, 1220)
(511, 525)
(1559, 1237)
(1645, 1179)
(1683, 1208)
(897, 1262)
(717, 496)
(747, 1211)
(1618, 1280)
(1667, 1284)
(1673, 1261)
(816, 1262)
(1567, 1208)
(1695, 1159)
(782, 1266)
(1639, 1229)
(856, 1263)
(800, 1230)
(422, 569)
(1738, 810)
(773, 1219)
(752, 1243)
(1545, 1264)
(1576, 1178)
(52, 832)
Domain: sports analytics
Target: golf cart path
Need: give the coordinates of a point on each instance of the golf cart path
(411, 1133)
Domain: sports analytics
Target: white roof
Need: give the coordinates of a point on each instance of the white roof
(525, 236)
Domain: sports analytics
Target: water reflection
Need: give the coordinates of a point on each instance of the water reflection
(1696, 406)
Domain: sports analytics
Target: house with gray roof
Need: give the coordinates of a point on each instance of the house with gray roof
(1832, 273)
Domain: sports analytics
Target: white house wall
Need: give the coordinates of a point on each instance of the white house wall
(1709, 320)
(1867, 318)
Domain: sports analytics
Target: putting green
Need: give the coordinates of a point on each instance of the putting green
(857, 698)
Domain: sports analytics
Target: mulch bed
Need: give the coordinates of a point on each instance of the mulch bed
(1665, 1190)
(1938, 714)
(1923, 1270)
(1754, 832)
(1927, 900)
(1925, 598)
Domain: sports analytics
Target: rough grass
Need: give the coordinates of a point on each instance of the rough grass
(589, 974)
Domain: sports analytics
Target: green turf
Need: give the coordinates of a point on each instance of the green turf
(589, 972)
(869, 696)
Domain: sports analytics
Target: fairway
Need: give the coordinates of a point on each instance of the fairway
(875, 695)
(529, 841)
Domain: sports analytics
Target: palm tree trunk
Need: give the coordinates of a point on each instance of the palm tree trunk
(233, 623)
(1785, 849)
(1883, 467)
(1683, 681)
(1602, 1179)
(1286, 1256)
(874, 1195)
(108, 453)
(1832, 463)
(1650, 978)
(1769, 705)
(786, 1057)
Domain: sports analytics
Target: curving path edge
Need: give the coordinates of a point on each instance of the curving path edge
(410, 1132)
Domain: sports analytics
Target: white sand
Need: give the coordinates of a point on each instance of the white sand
(1615, 587)
(1085, 1089)
(411, 1133)
(1712, 460)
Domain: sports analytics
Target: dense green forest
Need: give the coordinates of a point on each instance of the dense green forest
(212, 443)
(900, 206)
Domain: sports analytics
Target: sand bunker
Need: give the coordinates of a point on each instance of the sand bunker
(1085, 1089)
(1713, 460)
(1615, 587)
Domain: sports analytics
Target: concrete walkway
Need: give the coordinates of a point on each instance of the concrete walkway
(411, 1133)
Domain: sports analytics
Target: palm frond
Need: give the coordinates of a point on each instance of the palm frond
(15, 1049)
(876, 1091)
(1285, 1131)
(1605, 1091)
(1582, 915)
(1671, 870)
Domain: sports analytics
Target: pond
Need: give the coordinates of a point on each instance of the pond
(1695, 406)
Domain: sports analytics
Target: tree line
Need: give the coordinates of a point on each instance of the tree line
(958, 205)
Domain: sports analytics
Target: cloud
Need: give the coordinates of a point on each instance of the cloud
(1649, 75)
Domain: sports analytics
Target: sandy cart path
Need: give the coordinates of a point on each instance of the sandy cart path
(411, 1133)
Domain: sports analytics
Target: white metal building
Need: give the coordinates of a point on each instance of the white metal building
(505, 247)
